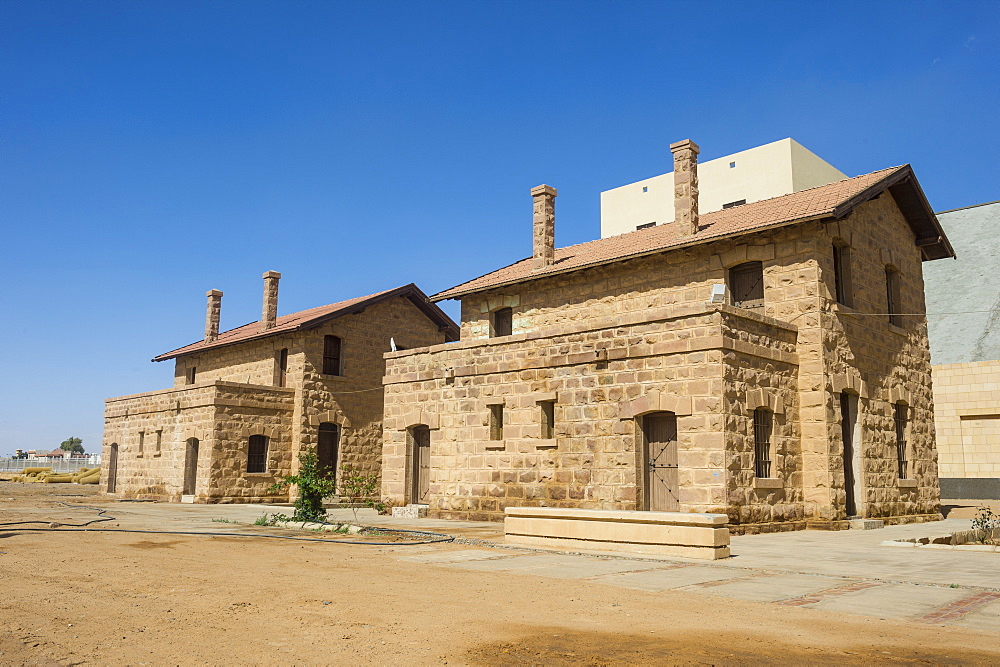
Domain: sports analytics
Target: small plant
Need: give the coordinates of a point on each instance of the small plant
(360, 489)
(987, 526)
(223, 521)
(314, 484)
(266, 519)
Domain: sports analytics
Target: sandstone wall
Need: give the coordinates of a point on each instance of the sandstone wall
(602, 380)
(152, 430)
(813, 348)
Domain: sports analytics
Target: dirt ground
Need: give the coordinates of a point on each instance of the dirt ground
(127, 598)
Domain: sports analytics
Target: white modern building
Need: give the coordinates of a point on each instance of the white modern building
(771, 170)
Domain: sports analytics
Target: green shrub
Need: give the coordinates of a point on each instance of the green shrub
(314, 485)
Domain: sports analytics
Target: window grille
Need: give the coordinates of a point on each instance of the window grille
(900, 419)
(257, 454)
(332, 356)
(746, 285)
(762, 425)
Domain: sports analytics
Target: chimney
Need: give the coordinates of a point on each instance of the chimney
(544, 220)
(269, 315)
(212, 314)
(685, 186)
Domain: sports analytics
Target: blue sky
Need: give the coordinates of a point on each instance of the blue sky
(150, 151)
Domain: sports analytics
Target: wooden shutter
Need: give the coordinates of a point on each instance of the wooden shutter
(746, 285)
(331, 355)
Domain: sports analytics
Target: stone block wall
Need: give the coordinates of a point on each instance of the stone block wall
(236, 395)
(799, 353)
(602, 381)
(152, 430)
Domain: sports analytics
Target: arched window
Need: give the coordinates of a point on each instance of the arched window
(257, 454)
(332, 363)
(762, 427)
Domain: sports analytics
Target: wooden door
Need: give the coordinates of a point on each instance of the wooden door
(661, 480)
(328, 447)
(421, 464)
(190, 467)
(113, 468)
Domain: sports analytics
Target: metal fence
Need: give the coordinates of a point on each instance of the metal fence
(57, 465)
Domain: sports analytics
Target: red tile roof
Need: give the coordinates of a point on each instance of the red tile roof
(307, 319)
(833, 200)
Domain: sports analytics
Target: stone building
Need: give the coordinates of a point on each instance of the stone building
(246, 401)
(963, 303)
(768, 361)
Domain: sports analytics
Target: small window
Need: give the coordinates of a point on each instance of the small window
(645, 226)
(732, 165)
(190, 375)
(332, 364)
(283, 367)
(842, 274)
(257, 454)
(548, 419)
(645, 189)
(892, 296)
(142, 441)
(762, 425)
(159, 442)
(503, 322)
(899, 417)
(738, 202)
(496, 422)
(746, 285)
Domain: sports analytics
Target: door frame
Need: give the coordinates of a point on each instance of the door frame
(113, 468)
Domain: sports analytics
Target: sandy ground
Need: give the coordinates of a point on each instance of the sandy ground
(127, 598)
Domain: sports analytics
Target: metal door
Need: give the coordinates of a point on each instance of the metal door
(421, 464)
(661, 485)
(190, 467)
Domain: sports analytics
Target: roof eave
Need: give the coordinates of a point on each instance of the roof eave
(646, 253)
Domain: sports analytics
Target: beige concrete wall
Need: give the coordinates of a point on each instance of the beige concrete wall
(774, 169)
(967, 418)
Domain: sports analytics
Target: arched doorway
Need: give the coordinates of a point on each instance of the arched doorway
(420, 437)
(328, 447)
(190, 467)
(661, 486)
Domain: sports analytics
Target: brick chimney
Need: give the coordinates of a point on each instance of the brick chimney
(544, 219)
(685, 186)
(269, 316)
(212, 314)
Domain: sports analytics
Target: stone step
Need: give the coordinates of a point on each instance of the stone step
(411, 511)
(866, 524)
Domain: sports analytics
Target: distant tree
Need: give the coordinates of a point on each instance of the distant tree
(72, 445)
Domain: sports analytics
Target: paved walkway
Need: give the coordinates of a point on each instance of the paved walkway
(845, 571)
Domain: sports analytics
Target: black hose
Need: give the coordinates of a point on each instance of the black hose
(80, 528)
